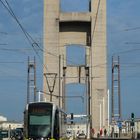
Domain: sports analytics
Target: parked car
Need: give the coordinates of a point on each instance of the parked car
(69, 134)
(81, 136)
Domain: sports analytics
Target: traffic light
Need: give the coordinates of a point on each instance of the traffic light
(132, 116)
(71, 118)
(132, 119)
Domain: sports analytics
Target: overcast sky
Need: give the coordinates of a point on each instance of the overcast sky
(123, 26)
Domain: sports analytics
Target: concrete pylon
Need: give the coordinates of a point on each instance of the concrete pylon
(88, 29)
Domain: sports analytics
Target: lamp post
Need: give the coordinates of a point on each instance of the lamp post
(108, 110)
(100, 116)
(88, 102)
(101, 112)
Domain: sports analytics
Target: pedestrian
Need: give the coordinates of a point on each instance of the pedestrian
(105, 131)
(101, 132)
(98, 135)
(92, 131)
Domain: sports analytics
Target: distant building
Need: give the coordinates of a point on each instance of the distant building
(2, 118)
(6, 125)
(86, 32)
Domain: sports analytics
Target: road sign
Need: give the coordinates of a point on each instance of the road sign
(120, 124)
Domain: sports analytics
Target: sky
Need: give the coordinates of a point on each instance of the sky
(123, 32)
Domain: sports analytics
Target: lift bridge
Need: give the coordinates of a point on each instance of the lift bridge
(87, 32)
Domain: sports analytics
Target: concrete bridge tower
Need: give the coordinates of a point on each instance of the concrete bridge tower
(88, 31)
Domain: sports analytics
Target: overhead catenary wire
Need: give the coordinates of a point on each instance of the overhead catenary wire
(11, 62)
(3, 44)
(131, 29)
(9, 9)
(36, 47)
(4, 33)
(133, 43)
(31, 41)
(28, 36)
(57, 96)
(14, 50)
(55, 55)
(126, 51)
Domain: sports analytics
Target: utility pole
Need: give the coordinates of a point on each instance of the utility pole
(87, 82)
(116, 96)
(31, 81)
(64, 88)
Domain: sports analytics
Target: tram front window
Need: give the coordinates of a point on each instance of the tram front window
(39, 126)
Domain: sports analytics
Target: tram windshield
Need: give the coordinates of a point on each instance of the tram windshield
(40, 120)
(39, 125)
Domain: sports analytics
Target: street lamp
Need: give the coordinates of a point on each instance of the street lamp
(101, 105)
(108, 99)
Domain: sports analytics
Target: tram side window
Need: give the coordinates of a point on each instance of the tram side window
(56, 125)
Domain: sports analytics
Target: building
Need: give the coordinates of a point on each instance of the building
(86, 30)
(10, 125)
(2, 118)
(6, 125)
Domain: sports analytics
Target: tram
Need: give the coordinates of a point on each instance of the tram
(44, 120)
